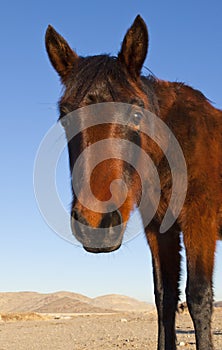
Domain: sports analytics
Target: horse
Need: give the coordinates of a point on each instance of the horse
(197, 126)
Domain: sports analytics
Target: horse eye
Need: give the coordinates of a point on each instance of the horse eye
(137, 117)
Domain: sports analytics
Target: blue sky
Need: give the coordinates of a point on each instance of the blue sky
(185, 45)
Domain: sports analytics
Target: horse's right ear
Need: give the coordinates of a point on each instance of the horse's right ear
(60, 54)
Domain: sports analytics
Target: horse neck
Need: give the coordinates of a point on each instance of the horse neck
(170, 95)
(163, 95)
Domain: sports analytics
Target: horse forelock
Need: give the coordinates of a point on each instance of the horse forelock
(103, 79)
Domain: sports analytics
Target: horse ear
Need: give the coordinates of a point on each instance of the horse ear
(60, 54)
(134, 47)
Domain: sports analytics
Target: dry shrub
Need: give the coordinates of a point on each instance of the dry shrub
(31, 316)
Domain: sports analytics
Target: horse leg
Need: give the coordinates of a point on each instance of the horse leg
(165, 249)
(200, 241)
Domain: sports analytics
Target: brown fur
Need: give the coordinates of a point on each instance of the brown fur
(197, 126)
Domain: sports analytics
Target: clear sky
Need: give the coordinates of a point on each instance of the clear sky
(185, 45)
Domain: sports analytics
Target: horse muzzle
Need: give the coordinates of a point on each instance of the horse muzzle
(105, 238)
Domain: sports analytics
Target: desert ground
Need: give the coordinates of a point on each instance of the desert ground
(93, 329)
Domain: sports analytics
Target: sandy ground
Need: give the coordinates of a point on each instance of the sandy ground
(94, 332)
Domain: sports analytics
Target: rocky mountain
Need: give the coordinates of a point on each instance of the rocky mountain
(67, 302)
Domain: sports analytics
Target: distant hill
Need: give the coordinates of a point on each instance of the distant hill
(218, 304)
(69, 305)
(67, 302)
(121, 303)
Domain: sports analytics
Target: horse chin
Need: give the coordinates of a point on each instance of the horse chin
(102, 250)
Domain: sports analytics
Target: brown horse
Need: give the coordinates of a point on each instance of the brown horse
(197, 126)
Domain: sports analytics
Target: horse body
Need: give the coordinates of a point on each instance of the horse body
(197, 126)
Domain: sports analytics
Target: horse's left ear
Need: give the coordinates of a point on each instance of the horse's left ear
(134, 47)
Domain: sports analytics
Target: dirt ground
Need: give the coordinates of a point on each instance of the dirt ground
(94, 331)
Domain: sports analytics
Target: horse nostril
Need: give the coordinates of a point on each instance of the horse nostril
(78, 217)
(116, 218)
(111, 219)
(75, 215)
